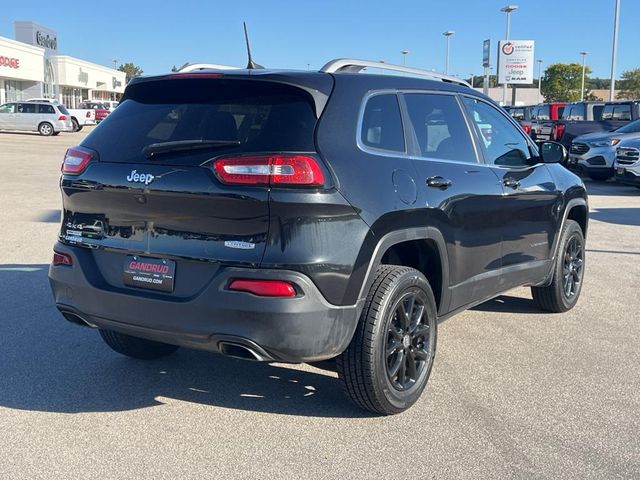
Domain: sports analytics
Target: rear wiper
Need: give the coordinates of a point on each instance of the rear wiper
(185, 145)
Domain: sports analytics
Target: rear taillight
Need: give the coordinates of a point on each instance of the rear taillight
(263, 288)
(527, 129)
(76, 160)
(285, 169)
(62, 117)
(62, 259)
(557, 131)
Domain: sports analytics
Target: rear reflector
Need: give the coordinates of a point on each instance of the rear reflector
(263, 288)
(62, 259)
(284, 169)
(76, 160)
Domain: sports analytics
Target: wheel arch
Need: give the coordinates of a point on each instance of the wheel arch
(422, 248)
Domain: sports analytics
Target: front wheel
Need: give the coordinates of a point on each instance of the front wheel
(564, 290)
(136, 347)
(45, 129)
(388, 362)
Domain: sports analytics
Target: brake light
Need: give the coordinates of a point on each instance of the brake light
(76, 160)
(62, 259)
(62, 117)
(263, 288)
(527, 129)
(287, 169)
(557, 131)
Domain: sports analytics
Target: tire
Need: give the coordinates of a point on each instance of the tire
(76, 125)
(55, 134)
(600, 177)
(376, 366)
(45, 129)
(136, 347)
(568, 273)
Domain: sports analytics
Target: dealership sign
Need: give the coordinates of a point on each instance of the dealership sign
(515, 61)
(9, 62)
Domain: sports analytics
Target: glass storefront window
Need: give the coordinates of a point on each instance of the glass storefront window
(13, 91)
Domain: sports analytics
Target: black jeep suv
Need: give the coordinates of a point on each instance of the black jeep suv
(289, 216)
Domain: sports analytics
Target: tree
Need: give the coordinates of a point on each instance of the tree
(130, 70)
(561, 82)
(630, 84)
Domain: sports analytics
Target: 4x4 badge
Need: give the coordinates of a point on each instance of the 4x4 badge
(145, 178)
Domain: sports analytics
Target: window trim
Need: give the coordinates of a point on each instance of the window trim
(412, 151)
(533, 149)
(374, 150)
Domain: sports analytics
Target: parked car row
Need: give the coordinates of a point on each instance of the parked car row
(595, 133)
(49, 117)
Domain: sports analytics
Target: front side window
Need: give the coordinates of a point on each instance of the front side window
(573, 112)
(382, 124)
(541, 113)
(616, 112)
(503, 144)
(8, 108)
(440, 128)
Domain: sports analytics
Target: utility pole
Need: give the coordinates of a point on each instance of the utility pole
(508, 9)
(612, 88)
(448, 34)
(584, 56)
(539, 77)
(115, 63)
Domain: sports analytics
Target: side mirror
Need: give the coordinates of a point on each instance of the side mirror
(553, 152)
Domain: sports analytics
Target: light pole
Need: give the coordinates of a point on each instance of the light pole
(404, 56)
(448, 34)
(472, 77)
(614, 52)
(115, 63)
(539, 76)
(508, 9)
(584, 56)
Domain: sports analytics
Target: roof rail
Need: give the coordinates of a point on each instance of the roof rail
(351, 65)
(205, 66)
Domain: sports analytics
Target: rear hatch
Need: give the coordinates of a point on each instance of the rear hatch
(150, 188)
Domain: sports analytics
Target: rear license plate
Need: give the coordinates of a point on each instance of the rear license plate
(149, 273)
(620, 171)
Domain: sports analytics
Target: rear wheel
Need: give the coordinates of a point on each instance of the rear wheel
(387, 365)
(568, 272)
(45, 129)
(136, 347)
(76, 125)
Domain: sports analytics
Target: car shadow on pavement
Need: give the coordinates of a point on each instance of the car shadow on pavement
(618, 216)
(508, 304)
(50, 365)
(48, 216)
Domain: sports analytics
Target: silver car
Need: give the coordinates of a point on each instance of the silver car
(45, 118)
(594, 153)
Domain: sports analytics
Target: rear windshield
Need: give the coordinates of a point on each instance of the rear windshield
(251, 116)
(63, 109)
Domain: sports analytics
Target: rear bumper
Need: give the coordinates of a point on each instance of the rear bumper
(301, 329)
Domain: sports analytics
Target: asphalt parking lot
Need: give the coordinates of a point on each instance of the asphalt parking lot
(514, 393)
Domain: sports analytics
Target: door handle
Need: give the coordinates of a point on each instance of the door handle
(511, 182)
(439, 182)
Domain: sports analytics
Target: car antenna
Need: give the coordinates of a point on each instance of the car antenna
(251, 65)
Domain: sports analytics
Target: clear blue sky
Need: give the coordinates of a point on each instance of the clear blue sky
(294, 33)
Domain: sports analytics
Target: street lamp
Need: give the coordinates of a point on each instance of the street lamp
(584, 56)
(508, 9)
(472, 77)
(448, 34)
(616, 19)
(115, 63)
(404, 56)
(539, 76)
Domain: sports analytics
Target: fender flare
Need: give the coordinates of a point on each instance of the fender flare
(405, 235)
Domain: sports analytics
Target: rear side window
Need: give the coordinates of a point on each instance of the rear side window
(573, 112)
(252, 116)
(541, 113)
(382, 124)
(616, 112)
(518, 113)
(440, 128)
(45, 108)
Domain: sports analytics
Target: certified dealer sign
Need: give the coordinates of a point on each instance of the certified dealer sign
(515, 61)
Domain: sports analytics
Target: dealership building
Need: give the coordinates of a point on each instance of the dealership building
(31, 67)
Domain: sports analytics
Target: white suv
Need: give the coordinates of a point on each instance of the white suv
(627, 164)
